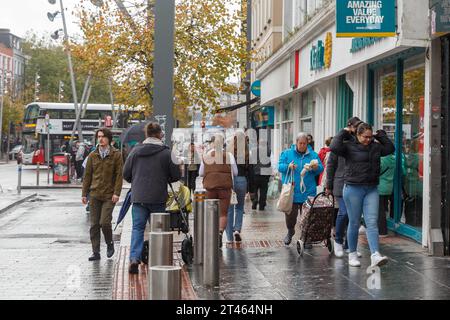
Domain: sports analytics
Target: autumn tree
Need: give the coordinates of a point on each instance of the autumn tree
(48, 59)
(210, 48)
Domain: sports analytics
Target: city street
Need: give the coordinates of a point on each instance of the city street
(44, 248)
(9, 178)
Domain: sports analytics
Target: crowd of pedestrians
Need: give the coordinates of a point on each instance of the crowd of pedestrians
(356, 167)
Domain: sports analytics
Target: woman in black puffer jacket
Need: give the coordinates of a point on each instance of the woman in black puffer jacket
(362, 172)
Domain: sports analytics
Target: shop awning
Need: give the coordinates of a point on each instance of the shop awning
(240, 105)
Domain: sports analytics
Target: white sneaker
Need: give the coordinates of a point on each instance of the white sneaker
(362, 230)
(338, 250)
(357, 252)
(378, 260)
(353, 260)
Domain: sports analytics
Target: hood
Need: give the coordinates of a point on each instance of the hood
(145, 150)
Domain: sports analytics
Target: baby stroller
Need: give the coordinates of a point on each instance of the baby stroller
(316, 222)
(179, 205)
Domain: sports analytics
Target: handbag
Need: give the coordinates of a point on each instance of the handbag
(286, 198)
(234, 199)
(274, 188)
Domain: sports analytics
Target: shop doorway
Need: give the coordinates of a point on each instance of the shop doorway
(399, 92)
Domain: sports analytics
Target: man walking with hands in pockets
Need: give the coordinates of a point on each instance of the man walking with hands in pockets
(103, 182)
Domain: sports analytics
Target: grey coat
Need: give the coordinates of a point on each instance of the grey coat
(149, 168)
(335, 174)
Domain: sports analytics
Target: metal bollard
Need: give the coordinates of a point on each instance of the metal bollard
(165, 283)
(37, 174)
(19, 179)
(161, 249)
(211, 247)
(199, 208)
(160, 222)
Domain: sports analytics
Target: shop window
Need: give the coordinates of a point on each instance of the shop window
(412, 131)
(306, 112)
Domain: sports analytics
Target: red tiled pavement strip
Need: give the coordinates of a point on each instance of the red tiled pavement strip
(135, 287)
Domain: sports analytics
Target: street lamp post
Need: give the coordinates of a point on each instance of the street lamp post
(69, 59)
(36, 86)
(47, 125)
(163, 66)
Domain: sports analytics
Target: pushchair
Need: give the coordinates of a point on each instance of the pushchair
(316, 222)
(179, 205)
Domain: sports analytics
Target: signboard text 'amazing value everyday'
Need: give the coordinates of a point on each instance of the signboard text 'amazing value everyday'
(365, 18)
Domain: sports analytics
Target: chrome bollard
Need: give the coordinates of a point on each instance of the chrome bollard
(160, 222)
(211, 247)
(160, 253)
(165, 283)
(161, 249)
(199, 208)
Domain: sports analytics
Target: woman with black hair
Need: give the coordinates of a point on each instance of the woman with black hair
(362, 172)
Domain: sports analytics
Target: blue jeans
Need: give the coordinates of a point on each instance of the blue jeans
(141, 214)
(236, 212)
(341, 220)
(358, 200)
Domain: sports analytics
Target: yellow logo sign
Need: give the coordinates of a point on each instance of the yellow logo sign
(328, 50)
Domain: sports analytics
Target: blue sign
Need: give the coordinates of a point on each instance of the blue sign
(256, 88)
(365, 18)
(264, 117)
(440, 17)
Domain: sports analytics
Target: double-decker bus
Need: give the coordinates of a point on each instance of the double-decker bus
(61, 122)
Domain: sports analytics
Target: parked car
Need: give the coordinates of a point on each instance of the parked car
(13, 153)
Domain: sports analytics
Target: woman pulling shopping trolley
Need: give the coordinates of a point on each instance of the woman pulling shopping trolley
(362, 172)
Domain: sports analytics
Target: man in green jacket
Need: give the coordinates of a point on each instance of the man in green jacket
(103, 181)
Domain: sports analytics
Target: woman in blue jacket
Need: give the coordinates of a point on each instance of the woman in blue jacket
(295, 158)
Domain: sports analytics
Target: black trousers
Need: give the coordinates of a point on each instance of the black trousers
(79, 169)
(291, 218)
(259, 184)
(384, 210)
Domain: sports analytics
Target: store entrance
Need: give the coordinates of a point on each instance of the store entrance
(399, 92)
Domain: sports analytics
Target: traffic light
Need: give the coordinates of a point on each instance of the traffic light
(203, 124)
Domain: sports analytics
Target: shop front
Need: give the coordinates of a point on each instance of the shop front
(398, 107)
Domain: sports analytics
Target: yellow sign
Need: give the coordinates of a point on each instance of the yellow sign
(33, 125)
(328, 50)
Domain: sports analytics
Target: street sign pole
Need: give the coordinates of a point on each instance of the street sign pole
(163, 66)
(47, 124)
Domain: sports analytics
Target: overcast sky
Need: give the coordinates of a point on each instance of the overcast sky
(21, 16)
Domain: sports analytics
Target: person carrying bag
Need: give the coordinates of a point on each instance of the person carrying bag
(286, 198)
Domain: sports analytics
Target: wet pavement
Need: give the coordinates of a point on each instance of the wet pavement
(44, 246)
(262, 268)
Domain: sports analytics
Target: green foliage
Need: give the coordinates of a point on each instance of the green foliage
(50, 61)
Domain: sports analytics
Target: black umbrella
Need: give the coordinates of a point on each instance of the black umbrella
(125, 206)
(134, 134)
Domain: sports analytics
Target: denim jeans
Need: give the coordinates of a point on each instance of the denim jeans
(236, 212)
(141, 214)
(358, 200)
(341, 220)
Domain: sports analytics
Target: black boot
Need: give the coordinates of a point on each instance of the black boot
(110, 250)
(95, 256)
(220, 239)
(134, 267)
